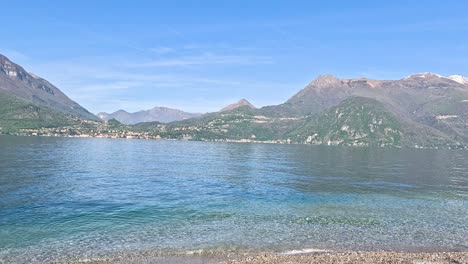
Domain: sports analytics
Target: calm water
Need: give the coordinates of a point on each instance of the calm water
(64, 198)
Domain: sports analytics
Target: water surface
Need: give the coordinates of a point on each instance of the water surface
(65, 198)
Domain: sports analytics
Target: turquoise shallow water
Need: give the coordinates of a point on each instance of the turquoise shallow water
(65, 198)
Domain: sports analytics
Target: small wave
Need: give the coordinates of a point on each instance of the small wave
(304, 251)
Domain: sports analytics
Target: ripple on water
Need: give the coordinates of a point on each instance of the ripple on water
(79, 198)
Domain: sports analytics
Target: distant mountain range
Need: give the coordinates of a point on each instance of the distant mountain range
(160, 114)
(424, 109)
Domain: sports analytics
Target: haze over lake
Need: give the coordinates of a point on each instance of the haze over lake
(62, 198)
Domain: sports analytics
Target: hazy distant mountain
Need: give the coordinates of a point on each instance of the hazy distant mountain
(159, 114)
(15, 81)
(242, 102)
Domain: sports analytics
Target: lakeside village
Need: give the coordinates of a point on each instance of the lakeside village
(126, 134)
(47, 132)
(92, 129)
(116, 130)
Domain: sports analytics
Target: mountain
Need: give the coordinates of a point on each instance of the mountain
(415, 96)
(15, 81)
(425, 98)
(242, 102)
(359, 121)
(160, 114)
(238, 124)
(17, 114)
(355, 121)
(423, 109)
(421, 97)
(30, 102)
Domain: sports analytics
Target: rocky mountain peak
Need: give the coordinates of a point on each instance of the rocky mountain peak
(242, 102)
(9, 68)
(325, 80)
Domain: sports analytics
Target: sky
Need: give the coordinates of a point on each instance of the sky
(199, 56)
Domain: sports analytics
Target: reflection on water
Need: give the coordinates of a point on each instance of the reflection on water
(63, 198)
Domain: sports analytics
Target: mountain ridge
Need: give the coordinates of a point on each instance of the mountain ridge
(15, 80)
(328, 90)
(158, 113)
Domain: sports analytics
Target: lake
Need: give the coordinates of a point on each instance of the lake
(67, 198)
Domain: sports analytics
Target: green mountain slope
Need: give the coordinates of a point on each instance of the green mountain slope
(360, 121)
(237, 124)
(16, 81)
(356, 121)
(16, 114)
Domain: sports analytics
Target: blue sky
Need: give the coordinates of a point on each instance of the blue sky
(202, 55)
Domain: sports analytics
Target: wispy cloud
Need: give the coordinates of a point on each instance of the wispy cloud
(102, 86)
(205, 59)
(162, 50)
(435, 25)
(107, 86)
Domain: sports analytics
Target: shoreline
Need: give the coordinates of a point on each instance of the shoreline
(318, 257)
(248, 141)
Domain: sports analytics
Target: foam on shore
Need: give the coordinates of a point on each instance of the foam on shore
(304, 251)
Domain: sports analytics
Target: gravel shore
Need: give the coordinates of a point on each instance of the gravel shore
(313, 258)
(355, 257)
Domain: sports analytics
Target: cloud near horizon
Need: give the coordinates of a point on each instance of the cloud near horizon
(104, 87)
(201, 56)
